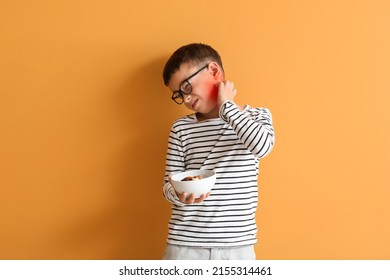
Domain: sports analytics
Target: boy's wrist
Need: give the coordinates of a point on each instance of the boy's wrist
(222, 109)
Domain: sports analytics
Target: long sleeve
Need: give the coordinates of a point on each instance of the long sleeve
(174, 164)
(254, 131)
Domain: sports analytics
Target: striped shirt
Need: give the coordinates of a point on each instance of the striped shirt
(231, 146)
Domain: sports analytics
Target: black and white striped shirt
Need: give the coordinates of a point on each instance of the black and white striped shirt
(231, 146)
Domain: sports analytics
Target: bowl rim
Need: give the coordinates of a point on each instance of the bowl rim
(179, 176)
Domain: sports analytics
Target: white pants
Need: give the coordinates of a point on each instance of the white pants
(175, 252)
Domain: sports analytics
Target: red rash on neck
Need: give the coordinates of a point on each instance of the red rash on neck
(213, 93)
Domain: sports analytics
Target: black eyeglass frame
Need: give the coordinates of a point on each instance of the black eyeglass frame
(180, 93)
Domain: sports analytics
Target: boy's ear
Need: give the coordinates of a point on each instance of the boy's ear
(215, 70)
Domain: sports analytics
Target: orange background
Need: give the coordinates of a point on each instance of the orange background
(84, 120)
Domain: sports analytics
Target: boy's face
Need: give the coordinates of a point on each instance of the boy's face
(201, 81)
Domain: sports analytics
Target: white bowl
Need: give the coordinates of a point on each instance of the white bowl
(197, 187)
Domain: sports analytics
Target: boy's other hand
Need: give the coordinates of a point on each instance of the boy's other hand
(190, 199)
(226, 92)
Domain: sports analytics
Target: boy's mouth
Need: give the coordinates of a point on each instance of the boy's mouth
(194, 104)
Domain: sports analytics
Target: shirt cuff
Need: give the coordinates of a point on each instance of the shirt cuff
(177, 202)
(223, 109)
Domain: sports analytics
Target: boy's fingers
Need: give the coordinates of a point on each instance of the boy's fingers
(182, 197)
(220, 84)
(190, 199)
(200, 198)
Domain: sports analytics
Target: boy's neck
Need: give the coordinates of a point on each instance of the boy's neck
(213, 114)
(202, 117)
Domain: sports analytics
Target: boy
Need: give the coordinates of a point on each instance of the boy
(219, 136)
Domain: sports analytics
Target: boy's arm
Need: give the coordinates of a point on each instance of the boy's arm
(255, 131)
(174, 164)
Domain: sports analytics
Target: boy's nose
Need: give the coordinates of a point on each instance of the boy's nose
(187, 99)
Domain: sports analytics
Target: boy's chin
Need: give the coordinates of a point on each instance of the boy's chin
(209, 113)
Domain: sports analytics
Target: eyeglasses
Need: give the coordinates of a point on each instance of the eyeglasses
(185, 88)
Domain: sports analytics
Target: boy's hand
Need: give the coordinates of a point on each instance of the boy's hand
(226, 91)
(189, 199)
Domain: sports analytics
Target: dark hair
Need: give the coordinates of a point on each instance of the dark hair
(193, 54)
